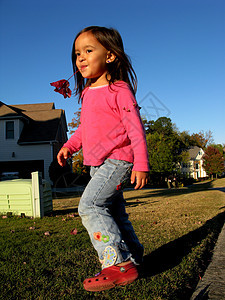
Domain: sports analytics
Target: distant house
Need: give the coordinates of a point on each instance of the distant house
(30, 136)
(194, 167)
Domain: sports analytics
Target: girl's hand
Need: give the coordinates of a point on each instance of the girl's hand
(141, 179)
(62, 156)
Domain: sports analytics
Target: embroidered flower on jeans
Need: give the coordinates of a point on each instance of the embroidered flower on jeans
(119, 186)
(110, 257)
(98, 236)
(105, 238)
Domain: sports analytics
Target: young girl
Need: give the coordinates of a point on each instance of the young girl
(112, 137)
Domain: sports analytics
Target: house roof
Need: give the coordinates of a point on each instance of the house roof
(8, 111)
(42, 121)
(43, 126)
(35, 107)
(193, 152)
(23, 109)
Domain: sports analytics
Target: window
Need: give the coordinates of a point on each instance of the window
(9, 132)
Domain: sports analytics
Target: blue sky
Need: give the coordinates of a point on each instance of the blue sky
(177, 48)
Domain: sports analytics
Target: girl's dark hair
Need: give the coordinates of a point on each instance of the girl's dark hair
(119, 69)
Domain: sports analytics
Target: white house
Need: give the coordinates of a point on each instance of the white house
(30, 137)
(194, 167)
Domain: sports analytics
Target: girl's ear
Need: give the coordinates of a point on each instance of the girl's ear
(110, 57)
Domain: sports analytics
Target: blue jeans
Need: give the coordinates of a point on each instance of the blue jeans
(102, 210)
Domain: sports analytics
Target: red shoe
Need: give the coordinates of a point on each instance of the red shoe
(111, 277)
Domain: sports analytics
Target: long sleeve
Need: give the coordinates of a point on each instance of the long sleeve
(111, 128)
(132, 122)
(74, 144)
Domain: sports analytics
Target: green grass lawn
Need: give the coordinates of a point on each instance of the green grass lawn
(41, 259)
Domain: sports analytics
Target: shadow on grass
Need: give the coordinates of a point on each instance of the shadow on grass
(66, 195)
(171, 254)
(61, 212)
(148, 193)
(221, 189)
(173, 192)
(138, 202)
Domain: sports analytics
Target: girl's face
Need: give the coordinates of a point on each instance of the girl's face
(91, 58)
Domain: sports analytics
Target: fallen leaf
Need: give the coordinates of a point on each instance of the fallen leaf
(71, 216)
(73, 231)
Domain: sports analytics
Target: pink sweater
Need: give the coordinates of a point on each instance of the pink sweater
(111, 127)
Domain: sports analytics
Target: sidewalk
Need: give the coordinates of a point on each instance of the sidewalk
(212, 285)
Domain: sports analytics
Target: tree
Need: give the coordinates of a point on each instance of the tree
(162, 125)
(148, 125)
(77, 164)
(75, 121)
(213, 161)
(219, 147)
(77, 159)
(165, 147)
(202, 139)
(185, 139)
(160, 153)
